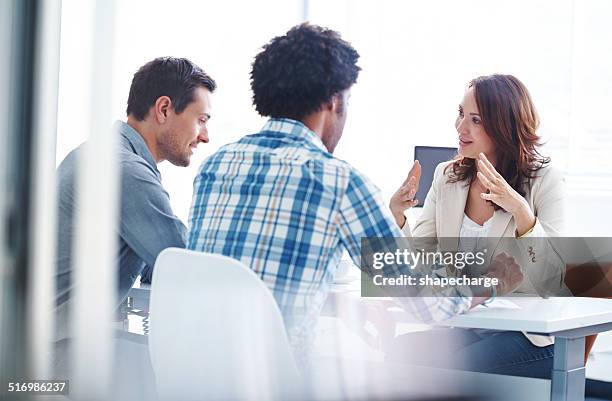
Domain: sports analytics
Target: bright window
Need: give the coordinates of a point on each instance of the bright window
(417, 57)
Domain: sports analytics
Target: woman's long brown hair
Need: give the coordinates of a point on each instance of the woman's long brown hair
(511, 120)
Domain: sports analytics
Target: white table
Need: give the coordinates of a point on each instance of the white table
(568, 319)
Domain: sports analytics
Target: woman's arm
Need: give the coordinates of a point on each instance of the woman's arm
(425, 225)
(538, 220)
(544, 261)
(403, 198)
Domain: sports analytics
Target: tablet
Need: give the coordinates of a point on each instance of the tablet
(430, 157)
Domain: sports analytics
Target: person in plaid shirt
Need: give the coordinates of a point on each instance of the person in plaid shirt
(282, 204)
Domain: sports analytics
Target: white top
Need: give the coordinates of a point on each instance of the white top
(472, 236)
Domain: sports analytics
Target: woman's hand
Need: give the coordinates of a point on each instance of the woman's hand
(403, 198)
(507, 271)
(504, 196)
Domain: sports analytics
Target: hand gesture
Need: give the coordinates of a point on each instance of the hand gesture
(499, 191)
(509, 273)
(403, 198)
(503, 195)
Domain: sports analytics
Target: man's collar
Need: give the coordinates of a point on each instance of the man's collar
(136, 142)
(294, 127)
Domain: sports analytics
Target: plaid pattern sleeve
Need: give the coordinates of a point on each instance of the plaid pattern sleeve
(279, 202)
(363, 214)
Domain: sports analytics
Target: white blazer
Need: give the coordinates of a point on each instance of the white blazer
(536, 252)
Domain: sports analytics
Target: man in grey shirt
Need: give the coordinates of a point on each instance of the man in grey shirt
(167, 112)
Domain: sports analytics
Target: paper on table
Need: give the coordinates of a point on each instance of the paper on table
(500, 304)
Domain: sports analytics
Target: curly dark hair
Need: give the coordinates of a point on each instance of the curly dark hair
(510, 119)
(176, 78)
(295, 74)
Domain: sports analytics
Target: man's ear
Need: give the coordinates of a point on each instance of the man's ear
(331, 104)
(161, 108)
(337, 103)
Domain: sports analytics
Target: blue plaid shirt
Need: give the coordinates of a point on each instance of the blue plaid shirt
(279, 202)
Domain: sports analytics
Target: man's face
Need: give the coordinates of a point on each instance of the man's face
(335, 125)
(185, 130)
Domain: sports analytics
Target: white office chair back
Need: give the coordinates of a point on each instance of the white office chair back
(216, 331)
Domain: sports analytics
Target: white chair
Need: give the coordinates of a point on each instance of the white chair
(216, 332)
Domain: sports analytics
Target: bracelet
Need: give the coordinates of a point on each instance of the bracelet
(493, 296)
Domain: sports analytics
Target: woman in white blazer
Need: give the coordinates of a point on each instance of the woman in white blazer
(498, 186)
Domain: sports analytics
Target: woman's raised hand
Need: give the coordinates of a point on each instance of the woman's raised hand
(403, 198)
(504, 196)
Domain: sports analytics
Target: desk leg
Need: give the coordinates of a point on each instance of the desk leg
(568, 375)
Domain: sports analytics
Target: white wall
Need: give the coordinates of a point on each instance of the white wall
(220, 36)
(416, 57)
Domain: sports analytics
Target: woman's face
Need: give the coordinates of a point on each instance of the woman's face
(472, 137)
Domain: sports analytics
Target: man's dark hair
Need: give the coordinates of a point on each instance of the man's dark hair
(176, 78)
(295, 74)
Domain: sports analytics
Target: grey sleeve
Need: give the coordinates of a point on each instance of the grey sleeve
(147, 223)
